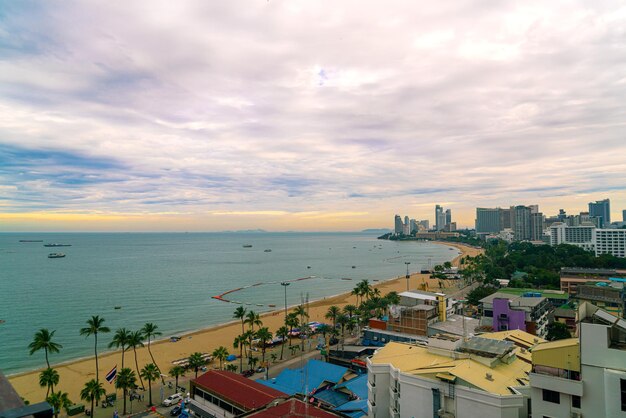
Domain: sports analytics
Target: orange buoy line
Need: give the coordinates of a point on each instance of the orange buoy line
(221, 298)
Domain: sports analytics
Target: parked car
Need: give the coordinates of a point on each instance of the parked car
(177, 410)
(173, 399)
(260, 369)
(247, 373)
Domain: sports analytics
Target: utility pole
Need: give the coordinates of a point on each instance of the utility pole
(408, 276)
(285, 284)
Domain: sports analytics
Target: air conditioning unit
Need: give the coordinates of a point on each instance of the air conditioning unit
(576, 415)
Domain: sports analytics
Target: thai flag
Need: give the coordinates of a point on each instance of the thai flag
(110, 377)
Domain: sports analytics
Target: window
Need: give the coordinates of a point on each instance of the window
(551, 396)
(622, 387)
(575, 401)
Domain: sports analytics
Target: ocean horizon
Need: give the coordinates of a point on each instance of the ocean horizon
(169, 279)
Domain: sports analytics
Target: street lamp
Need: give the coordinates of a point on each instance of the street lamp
(285, 284)
(407, 274)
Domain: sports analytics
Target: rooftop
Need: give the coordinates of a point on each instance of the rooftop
(416, 294)
(454, 325)
(550, 294)
(237, 389)
(308, 378)
(292, 408)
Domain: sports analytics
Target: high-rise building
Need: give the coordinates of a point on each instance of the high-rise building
(488, 220)
(448, 216)
(440, 218)
(583, 236)
(624, 215)
(425, 224)
(522, 228)
(398, 226)
(611, 241)
(412, 226)
(562, 215)
(601, 209)
(506, 218)
(536, 226)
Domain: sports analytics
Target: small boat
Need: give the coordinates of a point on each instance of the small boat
(56, 255)
(57, 245)
(267, 251)
(247, 246)
(271, 305)
(118, 307)
(259, 304)
(308, 267)
(353, 267)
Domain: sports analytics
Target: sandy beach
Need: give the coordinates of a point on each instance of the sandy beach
(73, 375)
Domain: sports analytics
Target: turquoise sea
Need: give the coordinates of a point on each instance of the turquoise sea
(169, 278)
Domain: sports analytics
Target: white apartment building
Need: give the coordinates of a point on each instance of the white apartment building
(583, 236)
(611, 241)
(586, 378)
(483, 377)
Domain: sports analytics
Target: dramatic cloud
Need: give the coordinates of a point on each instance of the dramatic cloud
(305, 115)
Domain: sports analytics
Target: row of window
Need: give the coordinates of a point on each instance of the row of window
(217, 401)
(555, 397)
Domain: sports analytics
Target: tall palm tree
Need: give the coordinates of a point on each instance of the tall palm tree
(196, 361)
(48, 378)
(177, 371)
(120, 339)
(292, 322)
(150, 330)
(136, 340)
(248, 336)
(42, 340)
(240, 343)
(349, 310)
(282, 333)
(342, 320)
(265, 336)
(252, 319)
(220, 353)
(91, 391)
(332, 314)
(126, 380)
(94, 327)
(150, 372)
(58, 401)
(240, 313)
(302, 313)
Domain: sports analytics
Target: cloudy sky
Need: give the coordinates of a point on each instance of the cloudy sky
(305, 115)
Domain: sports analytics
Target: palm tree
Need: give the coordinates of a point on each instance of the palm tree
(292, 322)
(349, 310)
(126, 380)
(177, 371)
(91, 391)
(94, 326)
(282, 333)
(48, 378)
(43, 340)
(150, 330)
(248, 336)
(58, 401)
(120, 339)
(265, 336)
(393, 298)
(240, 343)
(220, 353)
(135, 340)
(253, 319)
(342, 320)
(302, 313)
(365, 289)
(252, 362)
(196, 361)
(240, 313)
(333, 312)
(150, 372)
(231, 367)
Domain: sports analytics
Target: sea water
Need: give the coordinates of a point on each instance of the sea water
(168, 279)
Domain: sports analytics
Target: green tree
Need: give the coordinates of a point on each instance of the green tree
(475, 295)
(301, 312)
(151, 373)
(126, 380)
(240, 342)
(120, 339)
(240, 313)
(43, 341)
(350, 310)
(176, 372)
(557, 331)
(196, 362)
(58, 401)
(393, 298)
(91, 391)
(94, 327)
(292, 322)
(283, 334)
(265, 337)
(135, 340)
(48, 379)
(149, 331)
(252, 319)
(231, 367)
(248, 336)
(220, 353)
(332, 313)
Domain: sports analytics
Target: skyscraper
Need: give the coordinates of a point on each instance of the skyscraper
(448, 216)
(398, 224)
(522, 228)
(536, 226)
(601, 209)
(488, 220)
(440, 218)
(624, 215)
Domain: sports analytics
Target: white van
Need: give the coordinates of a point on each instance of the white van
(173, 399)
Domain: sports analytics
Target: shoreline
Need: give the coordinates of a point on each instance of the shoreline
(75, 372)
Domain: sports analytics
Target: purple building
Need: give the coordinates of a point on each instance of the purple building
(504, 312)
(505, 318)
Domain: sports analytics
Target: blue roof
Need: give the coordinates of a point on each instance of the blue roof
(358, 386)
(618, 279)
(354, 409)
(292, 381)
(332, 397)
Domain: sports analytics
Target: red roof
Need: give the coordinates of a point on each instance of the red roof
(236, 389)
(293, 408)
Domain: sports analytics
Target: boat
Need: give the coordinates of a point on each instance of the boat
(308, 267)
(271, 305)
(267, 251)
(57, 245)
(247, 246)
(56, 255)
(31, 240)
(118, 307)
(353, 267)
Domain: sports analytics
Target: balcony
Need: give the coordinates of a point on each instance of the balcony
(557, 384)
